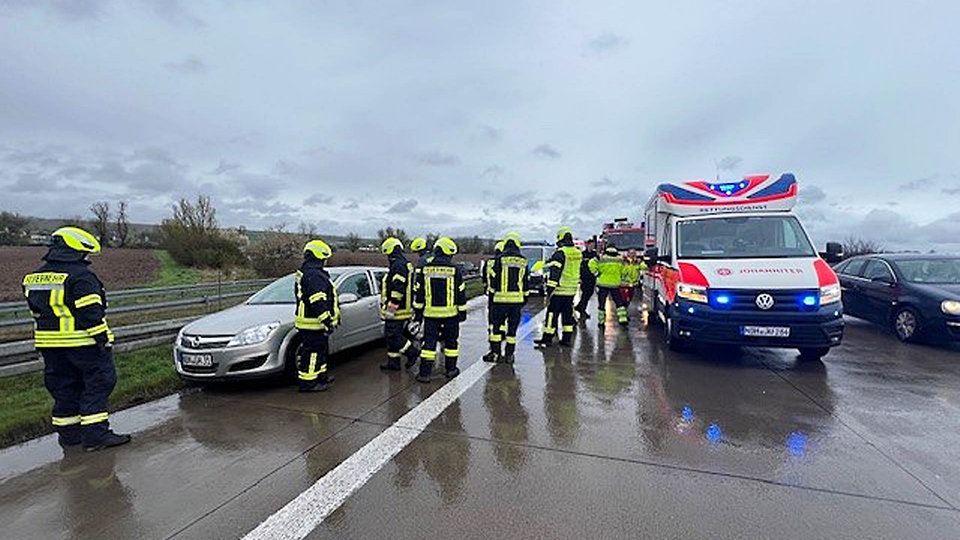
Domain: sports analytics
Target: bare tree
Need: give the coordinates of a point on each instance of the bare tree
(397, 233)
(101, 221)
(122, 229)
(353, 242)
(860, 246)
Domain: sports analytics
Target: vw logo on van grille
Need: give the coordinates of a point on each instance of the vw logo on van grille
(765, 301)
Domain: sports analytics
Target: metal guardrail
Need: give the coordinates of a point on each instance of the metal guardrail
(18, 314)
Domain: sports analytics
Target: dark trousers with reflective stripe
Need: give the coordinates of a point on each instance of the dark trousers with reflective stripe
(312, 363)
(80, 380)
(559, 313)
(435, 331)
(586, 293)
(618, 301)
(504, 321)
(398, 344)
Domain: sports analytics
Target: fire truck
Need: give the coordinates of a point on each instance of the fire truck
(623, 235)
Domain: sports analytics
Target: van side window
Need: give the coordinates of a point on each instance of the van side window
(665, 249)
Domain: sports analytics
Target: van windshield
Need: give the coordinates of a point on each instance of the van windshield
(742, 237)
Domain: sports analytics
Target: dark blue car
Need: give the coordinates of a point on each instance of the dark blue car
(915, 296)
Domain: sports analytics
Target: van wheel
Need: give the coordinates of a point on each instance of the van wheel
(812, 354)
(906, 324)
(674, 343)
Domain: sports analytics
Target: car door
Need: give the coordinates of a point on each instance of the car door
(376, 323)
(851, 285)
(879, 290)
(356, 317)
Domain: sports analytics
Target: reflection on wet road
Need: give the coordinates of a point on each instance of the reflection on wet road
(615, 437)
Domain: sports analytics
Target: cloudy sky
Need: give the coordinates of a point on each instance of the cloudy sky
(481, 117)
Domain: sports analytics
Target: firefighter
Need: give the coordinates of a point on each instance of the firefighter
(609, 272)
(588, 281)
(318, 313)
(509, 287)
(440, 294)
(69, 304)
(396, 305)
(485, 267)
(562, 284)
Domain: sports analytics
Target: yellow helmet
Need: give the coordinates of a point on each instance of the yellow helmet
(498, 247)
(418, 244)
(446, 245)
(389, 245)
(512, 237)
(319, 249)
(564, 233)
(78, 239)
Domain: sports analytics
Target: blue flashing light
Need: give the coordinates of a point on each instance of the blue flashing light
(714, 434)
(797, 443)
(687, 414)
(808, 300)
(723, 299)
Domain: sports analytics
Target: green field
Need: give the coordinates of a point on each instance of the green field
(25, 404)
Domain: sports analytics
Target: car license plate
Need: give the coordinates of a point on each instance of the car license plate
(196, 360)
(766, 331)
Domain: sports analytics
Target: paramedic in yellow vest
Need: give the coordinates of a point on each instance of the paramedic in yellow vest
(318, 313)
(609, 271)
(69, 305)
(632, 270)
(563, 281)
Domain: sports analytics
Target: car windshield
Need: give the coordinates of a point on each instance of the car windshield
(625, 240)
(280, 291)
(937, 271)
(742, 237)
(533, 253)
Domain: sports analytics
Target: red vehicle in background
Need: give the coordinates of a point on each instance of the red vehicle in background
(623, 235)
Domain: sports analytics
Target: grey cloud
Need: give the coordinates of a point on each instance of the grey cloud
(225, 167)
(317, 200)
(918, 184)
(493, 171)
(729, 163)
(490, 133)
(606, 43)
(190, 66)
(438, 159)
(174, 12)
(68, 10)
(951, 190)
(402, 207)
(603, 182)
(811, 194)
(546, 151)
(350, 205)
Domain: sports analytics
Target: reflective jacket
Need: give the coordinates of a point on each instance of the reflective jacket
(397, 289)
(564, 268)
(440, 291)
(609, 271)
(69, 305)
(632, 269)
(508, 277)
(318, 307)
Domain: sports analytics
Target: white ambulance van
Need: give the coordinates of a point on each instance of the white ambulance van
(730, 264)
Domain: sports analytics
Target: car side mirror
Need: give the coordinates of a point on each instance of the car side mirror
(834, 253)
(348, 298)
(651, 256)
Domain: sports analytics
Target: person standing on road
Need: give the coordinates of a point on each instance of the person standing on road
(509, 289)
(632, 269)
(396, 305)
(609, 272)
(318, 313)
(441, 295)
(562, 284)
(69, 305)
(486, 277)
(588, 281)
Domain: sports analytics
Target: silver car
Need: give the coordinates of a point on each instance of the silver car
(258, 339)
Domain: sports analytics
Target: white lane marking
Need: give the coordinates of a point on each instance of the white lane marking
(306, 512)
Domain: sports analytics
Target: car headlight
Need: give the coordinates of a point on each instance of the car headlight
(830, 294)
(950, 307)
(694, 293)
(253, 335)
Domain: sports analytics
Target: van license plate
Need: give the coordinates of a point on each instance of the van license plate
(766, 331)
(196, 360)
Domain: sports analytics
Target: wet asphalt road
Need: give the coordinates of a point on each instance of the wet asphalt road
(614, 438)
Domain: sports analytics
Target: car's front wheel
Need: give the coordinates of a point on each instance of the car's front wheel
(906, 324)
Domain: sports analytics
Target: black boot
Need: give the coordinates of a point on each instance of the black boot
(426, 370)
(412, 356)
(566, 341)
(102, 438)
(545, 341)
(69, 436)
(451, 366)
(493, 355)
(392, 364)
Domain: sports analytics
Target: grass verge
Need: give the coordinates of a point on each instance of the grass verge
(173, 274)
(25, 404)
